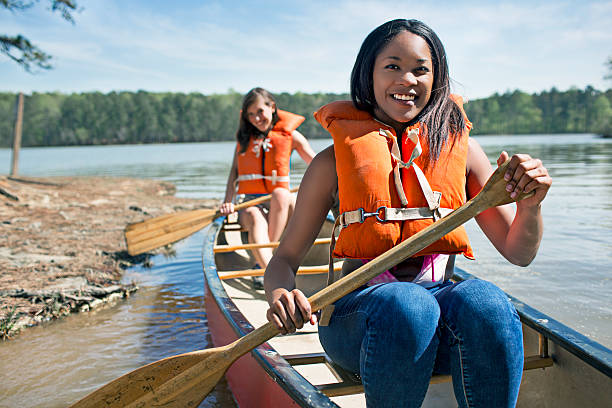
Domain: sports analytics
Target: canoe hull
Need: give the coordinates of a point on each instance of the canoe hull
(249, 382)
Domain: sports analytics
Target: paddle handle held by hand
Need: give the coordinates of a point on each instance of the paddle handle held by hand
(258, 200)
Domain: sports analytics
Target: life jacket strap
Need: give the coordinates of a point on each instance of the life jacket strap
(432, 197)
(274, 177)
(384, 214)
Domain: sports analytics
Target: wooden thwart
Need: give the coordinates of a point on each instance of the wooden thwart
(303, 270)
(232, 248)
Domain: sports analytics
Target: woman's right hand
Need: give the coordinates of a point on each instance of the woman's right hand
(226, 208)
(289, 310)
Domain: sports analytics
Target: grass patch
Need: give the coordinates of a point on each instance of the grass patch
(7, 323)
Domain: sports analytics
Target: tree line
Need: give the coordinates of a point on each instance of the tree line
(92, 118)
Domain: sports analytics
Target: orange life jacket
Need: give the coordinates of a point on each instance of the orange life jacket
(385, 196)
(264, 165)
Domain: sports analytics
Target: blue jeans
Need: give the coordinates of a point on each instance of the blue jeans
(394, 335)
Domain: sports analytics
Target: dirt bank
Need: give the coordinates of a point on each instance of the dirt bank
(61, 242)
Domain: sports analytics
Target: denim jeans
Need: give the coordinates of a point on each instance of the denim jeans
(394, 335)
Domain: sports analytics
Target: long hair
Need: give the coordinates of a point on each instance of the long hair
(245, 129)
(442, 117)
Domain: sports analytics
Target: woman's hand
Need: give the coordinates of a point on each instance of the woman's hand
(289, 310)
(526, 174)
(226, 208)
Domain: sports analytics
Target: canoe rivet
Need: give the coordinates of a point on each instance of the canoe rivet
(270, 353)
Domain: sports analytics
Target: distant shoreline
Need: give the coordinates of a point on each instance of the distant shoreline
(94, 118)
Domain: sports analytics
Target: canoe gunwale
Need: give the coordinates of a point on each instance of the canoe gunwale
(302, 391)
(591, 352)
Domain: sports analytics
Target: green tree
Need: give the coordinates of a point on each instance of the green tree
(19, 48)
(7, 118)
(602, 115)
(42, 111)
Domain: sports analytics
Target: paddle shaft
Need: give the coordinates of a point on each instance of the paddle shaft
(258, 200)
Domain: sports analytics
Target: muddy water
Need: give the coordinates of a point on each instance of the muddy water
(57, 364)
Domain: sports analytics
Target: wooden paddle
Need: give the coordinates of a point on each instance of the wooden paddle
(186, 379)
(156, 232)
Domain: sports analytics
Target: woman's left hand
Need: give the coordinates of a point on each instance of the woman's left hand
(526, 174)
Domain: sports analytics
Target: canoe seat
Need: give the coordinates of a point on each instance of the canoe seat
(231, 223)
(234, 226)
(350, 383)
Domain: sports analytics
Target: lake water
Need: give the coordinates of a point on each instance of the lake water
(51, 366)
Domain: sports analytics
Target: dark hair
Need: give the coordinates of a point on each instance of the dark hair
(441, 115)
(246, 130)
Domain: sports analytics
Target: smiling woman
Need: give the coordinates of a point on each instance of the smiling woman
(266, 138)
(403, 158)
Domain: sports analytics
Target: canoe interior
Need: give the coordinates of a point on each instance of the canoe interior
(580, 375)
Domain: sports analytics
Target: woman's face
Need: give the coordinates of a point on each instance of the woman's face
(259, 114)
(403, 79)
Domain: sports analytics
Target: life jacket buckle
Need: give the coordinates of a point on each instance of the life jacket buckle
(363, 215)
(384, 211)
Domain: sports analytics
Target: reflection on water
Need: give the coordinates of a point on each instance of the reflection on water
(571, 278)
(56, 365)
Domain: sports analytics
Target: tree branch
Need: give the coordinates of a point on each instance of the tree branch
(30, 54)
(65, 7)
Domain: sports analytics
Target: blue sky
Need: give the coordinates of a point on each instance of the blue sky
(307, 46)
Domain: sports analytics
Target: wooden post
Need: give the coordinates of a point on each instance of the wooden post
(17, 134)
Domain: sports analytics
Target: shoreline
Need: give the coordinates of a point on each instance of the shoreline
(62, 248)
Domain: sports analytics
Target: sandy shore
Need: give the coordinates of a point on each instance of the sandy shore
(61, 242)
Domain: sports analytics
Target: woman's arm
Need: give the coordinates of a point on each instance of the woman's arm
(517, 235)
(227, 207)
(289, 307)
(301, 145)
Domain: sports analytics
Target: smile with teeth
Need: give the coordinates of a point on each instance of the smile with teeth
(402, 97)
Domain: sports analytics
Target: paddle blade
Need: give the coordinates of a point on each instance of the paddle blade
(155, 233)
(179, 381)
